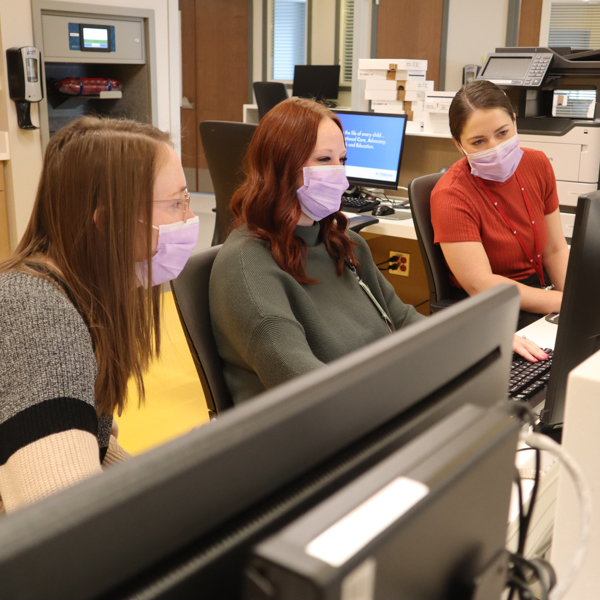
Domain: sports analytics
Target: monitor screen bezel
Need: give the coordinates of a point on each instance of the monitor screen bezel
(377, 183)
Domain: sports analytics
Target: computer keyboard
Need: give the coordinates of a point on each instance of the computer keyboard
(527, 378)
(358, 204)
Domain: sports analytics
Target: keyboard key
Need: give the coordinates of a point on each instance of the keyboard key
(527, 379)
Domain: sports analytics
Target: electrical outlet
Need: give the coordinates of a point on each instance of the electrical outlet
(402, 267)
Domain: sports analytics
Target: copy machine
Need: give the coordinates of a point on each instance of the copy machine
(554, 95)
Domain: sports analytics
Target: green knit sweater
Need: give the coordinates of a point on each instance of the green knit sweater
(269, 328)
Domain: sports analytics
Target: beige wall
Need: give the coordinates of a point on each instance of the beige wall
(322, 46)
(23, 168)
(474, 30)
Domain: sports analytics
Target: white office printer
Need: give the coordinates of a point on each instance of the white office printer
(554, 91)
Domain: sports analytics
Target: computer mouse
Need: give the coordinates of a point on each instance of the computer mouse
(381, 210)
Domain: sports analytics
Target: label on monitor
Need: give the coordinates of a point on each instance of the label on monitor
(354, 531)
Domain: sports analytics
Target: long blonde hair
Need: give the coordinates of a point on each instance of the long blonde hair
(96, 186)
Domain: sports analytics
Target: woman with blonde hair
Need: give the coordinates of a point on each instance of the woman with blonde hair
(78, 317)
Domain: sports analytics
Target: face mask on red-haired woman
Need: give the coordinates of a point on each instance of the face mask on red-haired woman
(321, 194)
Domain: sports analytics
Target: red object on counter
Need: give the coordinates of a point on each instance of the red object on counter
(86, 86)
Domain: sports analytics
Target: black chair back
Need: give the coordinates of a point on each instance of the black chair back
(190, 291)
(438, 280)
(225, 144)
(268, 94)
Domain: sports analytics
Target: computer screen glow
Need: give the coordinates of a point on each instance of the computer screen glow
(95, 38)
(374, 144)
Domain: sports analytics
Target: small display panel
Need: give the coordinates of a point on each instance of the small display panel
(95, 38)
(506, 68)
(374, 144)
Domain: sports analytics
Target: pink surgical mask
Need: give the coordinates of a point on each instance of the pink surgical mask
(496, 164)
(175, 244)
(321, 194)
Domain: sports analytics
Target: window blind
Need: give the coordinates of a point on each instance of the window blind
(288, 37)
(575, 24)
(347, 40)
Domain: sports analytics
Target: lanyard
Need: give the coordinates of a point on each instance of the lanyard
(537, 261)
(369, 293)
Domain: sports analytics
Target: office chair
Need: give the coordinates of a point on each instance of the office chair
(225, 144)
(268, 94)
(190, 291)
(438, 279)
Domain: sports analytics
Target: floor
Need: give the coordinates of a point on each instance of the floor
(174, 399)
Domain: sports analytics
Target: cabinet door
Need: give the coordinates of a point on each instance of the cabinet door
(564, 158)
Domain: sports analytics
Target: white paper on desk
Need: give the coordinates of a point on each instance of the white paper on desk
(542, 332)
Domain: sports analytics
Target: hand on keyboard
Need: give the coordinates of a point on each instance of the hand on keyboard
(527, 378)
(528, 349)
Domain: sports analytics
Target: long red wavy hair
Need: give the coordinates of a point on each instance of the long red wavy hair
(267, 204)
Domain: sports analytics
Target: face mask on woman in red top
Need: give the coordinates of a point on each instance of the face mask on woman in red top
(498, 163)
(488, 138)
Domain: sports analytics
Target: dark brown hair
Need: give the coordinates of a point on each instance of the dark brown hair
(479, 94)
(267, 203)
(97, 183)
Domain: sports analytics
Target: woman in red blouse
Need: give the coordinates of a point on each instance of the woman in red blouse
(495, 212)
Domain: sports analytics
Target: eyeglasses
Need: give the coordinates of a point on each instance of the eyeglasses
(178, 206)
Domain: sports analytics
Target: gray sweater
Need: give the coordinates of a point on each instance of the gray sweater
(269, 328)
(50, 434)
(46, 362)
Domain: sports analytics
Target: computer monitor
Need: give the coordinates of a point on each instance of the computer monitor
(374, 146)
(578, 335)
(181, 520)
(316, 82)
(427, 522)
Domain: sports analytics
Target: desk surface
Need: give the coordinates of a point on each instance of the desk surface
(542, 332)
(400, 229)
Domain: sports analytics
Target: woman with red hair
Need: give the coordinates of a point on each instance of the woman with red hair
(287, 288)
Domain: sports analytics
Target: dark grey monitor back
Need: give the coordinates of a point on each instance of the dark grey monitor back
(578, 335)
(137, 524)
(319, 82)
(444, 496)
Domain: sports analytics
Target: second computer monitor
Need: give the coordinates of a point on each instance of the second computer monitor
(578, 334)
(317, 82)
(374, 146)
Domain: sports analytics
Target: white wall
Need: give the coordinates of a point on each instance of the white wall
(24, 166)
(475, 28)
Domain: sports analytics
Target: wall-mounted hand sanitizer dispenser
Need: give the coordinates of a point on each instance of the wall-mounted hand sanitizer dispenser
(24, 81)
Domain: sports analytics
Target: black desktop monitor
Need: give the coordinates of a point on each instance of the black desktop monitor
(427, 522)
(180, 521)
(578, 335)
(317, 82)
(374, 146)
